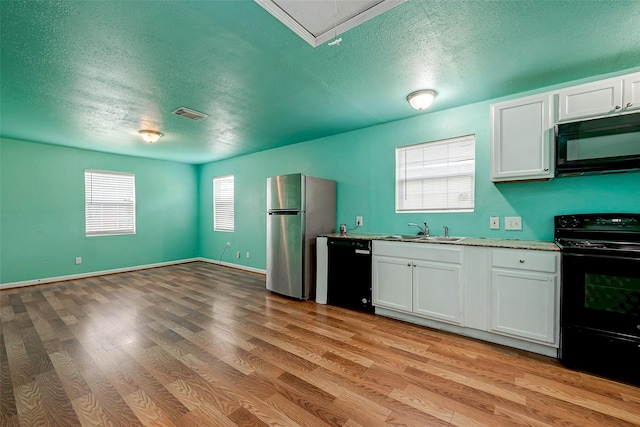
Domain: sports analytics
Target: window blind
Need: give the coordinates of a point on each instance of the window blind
(110, 203)
(223, 194)
(436, 176)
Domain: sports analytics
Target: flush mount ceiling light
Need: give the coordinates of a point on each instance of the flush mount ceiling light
(150, 136)
(421, 99)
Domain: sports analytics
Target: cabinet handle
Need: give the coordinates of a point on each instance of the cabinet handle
(521, 261)
(546, 169)
(629, 104)
(617, 108)
(409, 265)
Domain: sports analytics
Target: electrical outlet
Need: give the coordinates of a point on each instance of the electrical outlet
(247, 254)
(228, 244)
(237, 254)
(512, 223)
(358, 221)
(78, 260)
(494, 223)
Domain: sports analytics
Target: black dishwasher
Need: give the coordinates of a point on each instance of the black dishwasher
(349, 276)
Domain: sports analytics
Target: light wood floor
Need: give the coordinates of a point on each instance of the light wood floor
(203, 345)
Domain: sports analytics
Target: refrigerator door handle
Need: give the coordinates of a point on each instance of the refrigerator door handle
(295, 212)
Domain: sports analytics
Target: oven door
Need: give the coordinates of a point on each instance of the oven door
(601, 293)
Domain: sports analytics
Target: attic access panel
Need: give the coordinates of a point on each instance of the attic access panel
(317, 21)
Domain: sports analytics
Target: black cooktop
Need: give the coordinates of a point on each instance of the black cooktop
(617, 232)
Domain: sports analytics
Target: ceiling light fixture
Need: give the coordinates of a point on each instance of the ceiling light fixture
(150, 136)
(421, 99)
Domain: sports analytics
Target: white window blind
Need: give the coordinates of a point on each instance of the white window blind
(223, 203)
(436, 176)
(110, 203)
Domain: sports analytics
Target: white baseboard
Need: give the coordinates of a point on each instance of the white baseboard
(124, 270)
(229, 264)
(93, 274)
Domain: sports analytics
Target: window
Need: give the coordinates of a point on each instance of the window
(223, 203)
(436, 176)
(110, 203)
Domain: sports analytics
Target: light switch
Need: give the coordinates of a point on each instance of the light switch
(512, 223)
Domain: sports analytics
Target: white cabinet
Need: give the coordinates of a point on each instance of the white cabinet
(525, 294)
(631, 92)
(506, 296)
(437, 291)
(322, 267)
(422, 279)
(610, 96)
(521, 137)
(392, 282)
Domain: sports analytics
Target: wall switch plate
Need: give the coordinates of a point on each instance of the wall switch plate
(237, 254)
(78, 260)
(358, 221)
(247, 254)
(494, 222)
(512, 223)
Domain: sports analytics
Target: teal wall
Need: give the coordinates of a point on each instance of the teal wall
(42, 212)
(42, 198)
(363, 164)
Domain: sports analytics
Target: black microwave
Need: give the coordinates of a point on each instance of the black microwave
(608, 144)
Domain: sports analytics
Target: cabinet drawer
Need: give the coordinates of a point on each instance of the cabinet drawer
(419, 251)
(525, 260)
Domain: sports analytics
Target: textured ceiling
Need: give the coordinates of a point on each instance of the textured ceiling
(90, 74)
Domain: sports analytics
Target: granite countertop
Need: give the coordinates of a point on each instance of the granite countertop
(468, 241)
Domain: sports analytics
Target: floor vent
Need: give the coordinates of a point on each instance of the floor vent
(189, 113)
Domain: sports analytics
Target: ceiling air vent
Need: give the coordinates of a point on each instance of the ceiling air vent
(189, 113)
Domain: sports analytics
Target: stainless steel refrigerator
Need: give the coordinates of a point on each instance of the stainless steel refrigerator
(299, 208)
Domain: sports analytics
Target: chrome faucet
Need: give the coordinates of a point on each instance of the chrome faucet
(446, 231)
(423, 231)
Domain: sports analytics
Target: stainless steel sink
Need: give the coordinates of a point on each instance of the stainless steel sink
(405, 237)
(444, 239)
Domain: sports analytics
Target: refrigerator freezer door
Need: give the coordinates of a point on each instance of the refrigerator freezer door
(285, 254)
(285, 192)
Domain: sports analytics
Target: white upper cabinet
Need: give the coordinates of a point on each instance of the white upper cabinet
(611, 96)
(521, 139)
(631, 95)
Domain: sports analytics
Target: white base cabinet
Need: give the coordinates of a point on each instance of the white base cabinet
(392, 283)
(506, 296)
(523, 305)
(525, 294)
(421, 279)
(437, 291)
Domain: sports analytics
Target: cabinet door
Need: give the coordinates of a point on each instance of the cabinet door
(521, 139)
(437, 291)
(392, 283)
(591, 99)
(631, 98)
(523, 304)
